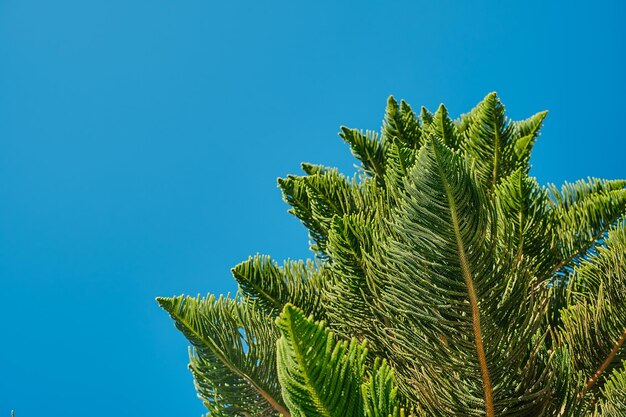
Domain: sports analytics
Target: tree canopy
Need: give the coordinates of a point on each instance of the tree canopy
(445, 281)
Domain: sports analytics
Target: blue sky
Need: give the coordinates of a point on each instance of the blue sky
(140, 142)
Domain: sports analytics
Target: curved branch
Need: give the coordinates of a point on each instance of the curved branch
(480, 350)
(594, 378)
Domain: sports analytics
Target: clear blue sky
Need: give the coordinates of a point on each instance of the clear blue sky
(140, 142)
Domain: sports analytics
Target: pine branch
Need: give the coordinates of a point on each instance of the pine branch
(605, 364)
(469, 282)
(223, 368)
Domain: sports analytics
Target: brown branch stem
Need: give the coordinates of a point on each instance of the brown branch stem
(594, 378)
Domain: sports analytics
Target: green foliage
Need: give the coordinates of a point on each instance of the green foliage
(272, 287)
(233, 354)
(446, 282)
(613, 403)
(319, 375)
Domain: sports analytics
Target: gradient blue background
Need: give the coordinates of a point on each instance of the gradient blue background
(140, 142)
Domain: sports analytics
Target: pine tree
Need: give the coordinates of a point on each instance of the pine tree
(445, 282)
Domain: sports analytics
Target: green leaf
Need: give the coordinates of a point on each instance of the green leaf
(489, 142)
(319, 375)
(295, 193)
(350, 286)
(523, 216)
(526, 250)
(400, 159)
(272, 286)
(595, 318)
(233, 354)
(613, 403)
(313, 169)
(572, 193)
(442, 127)
(380, 393)
(426, 117)
(368, 149)
(527, 132)
(401, 125)
(316, 199)
(583, 213)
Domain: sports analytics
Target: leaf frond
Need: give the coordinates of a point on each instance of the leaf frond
(232, 343)
(273, 286)
(319, 375)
